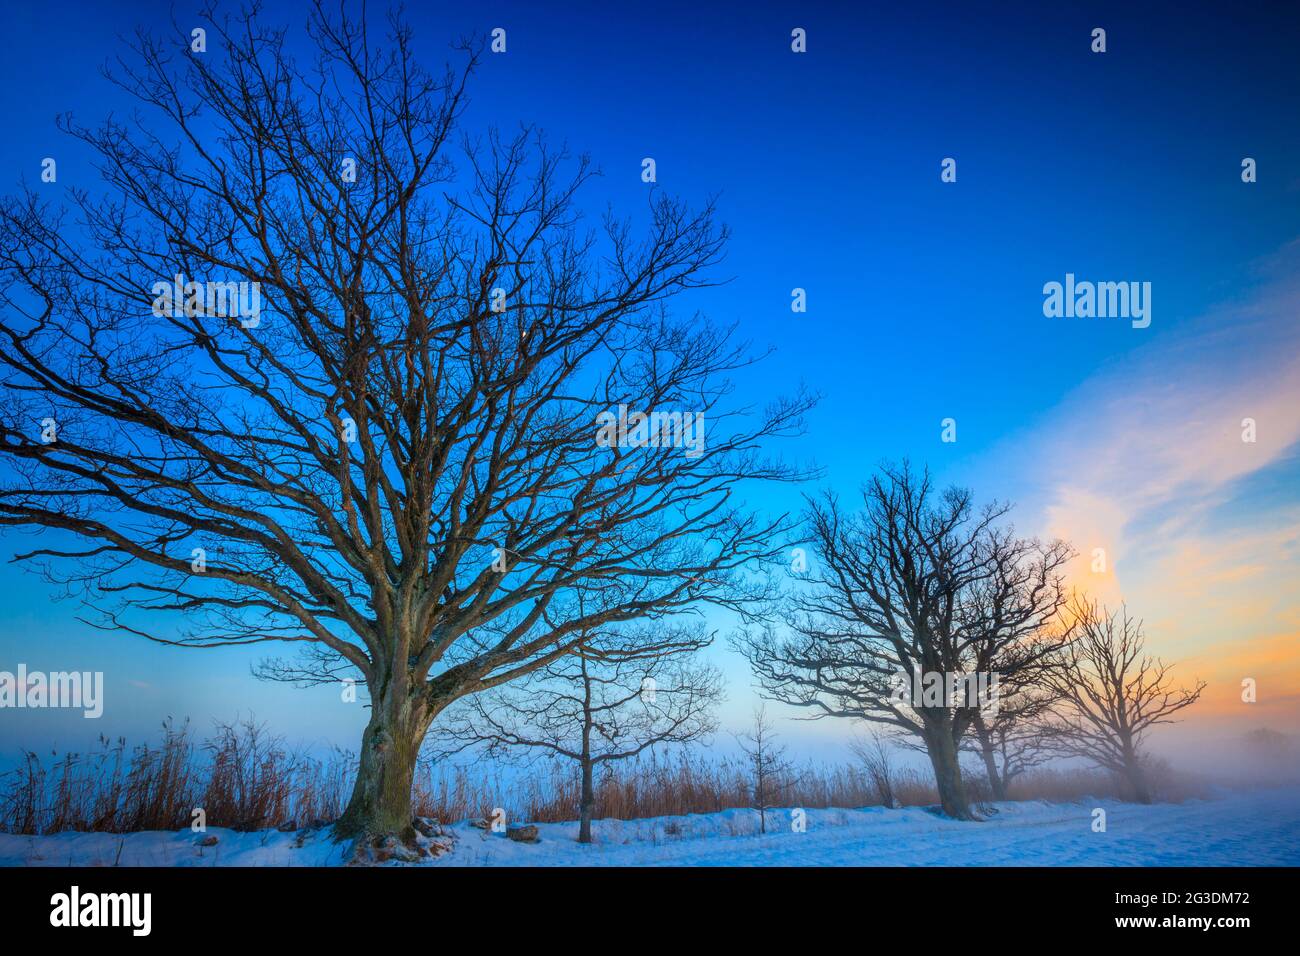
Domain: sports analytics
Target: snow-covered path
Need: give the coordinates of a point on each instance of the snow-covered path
(1245, 829)
(1237, 830)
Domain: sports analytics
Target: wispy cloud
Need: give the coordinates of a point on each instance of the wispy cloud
(1146, 461)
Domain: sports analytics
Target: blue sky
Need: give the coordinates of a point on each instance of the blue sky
(924, 298)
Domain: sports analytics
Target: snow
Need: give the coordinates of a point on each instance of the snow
(1232, 829)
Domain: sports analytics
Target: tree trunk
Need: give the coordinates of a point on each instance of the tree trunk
(997, 785)
(380, 805)
(1137, 781)
(997, 788)
(1131, 767)
(588, 800)
(587, 805)
(947, 769)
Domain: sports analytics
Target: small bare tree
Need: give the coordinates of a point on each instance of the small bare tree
(598, 705)
(1012, 740)
(1111, 693)
(1016, 602)
(770, 773)
(874, 755)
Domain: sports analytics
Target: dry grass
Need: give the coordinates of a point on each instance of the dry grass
(243, 778)
(246, 778)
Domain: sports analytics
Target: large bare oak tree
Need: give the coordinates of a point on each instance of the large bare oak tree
(917, 584)
(391, 459)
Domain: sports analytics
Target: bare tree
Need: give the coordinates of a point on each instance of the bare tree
(596, 706)
(1111, 694)
(875, 757)
(770, 773)
(1011, 737)
(918, 586)
(390, 453)
(1014, 739)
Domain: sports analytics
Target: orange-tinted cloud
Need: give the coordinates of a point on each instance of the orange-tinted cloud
(1147, 461)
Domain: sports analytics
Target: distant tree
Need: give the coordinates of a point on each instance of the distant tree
(596, 706)
(313, 366)
(1110, 694)
(918, 584)
(1014, 739)
(1016, 624)
(1269, 743)
(771, 774)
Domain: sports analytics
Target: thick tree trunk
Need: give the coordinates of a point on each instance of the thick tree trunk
(587, 805)
(947, 770)
(1137, 781)
(1132, 771)
(380, 805)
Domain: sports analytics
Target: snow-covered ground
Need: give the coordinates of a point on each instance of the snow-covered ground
(1232, 829)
